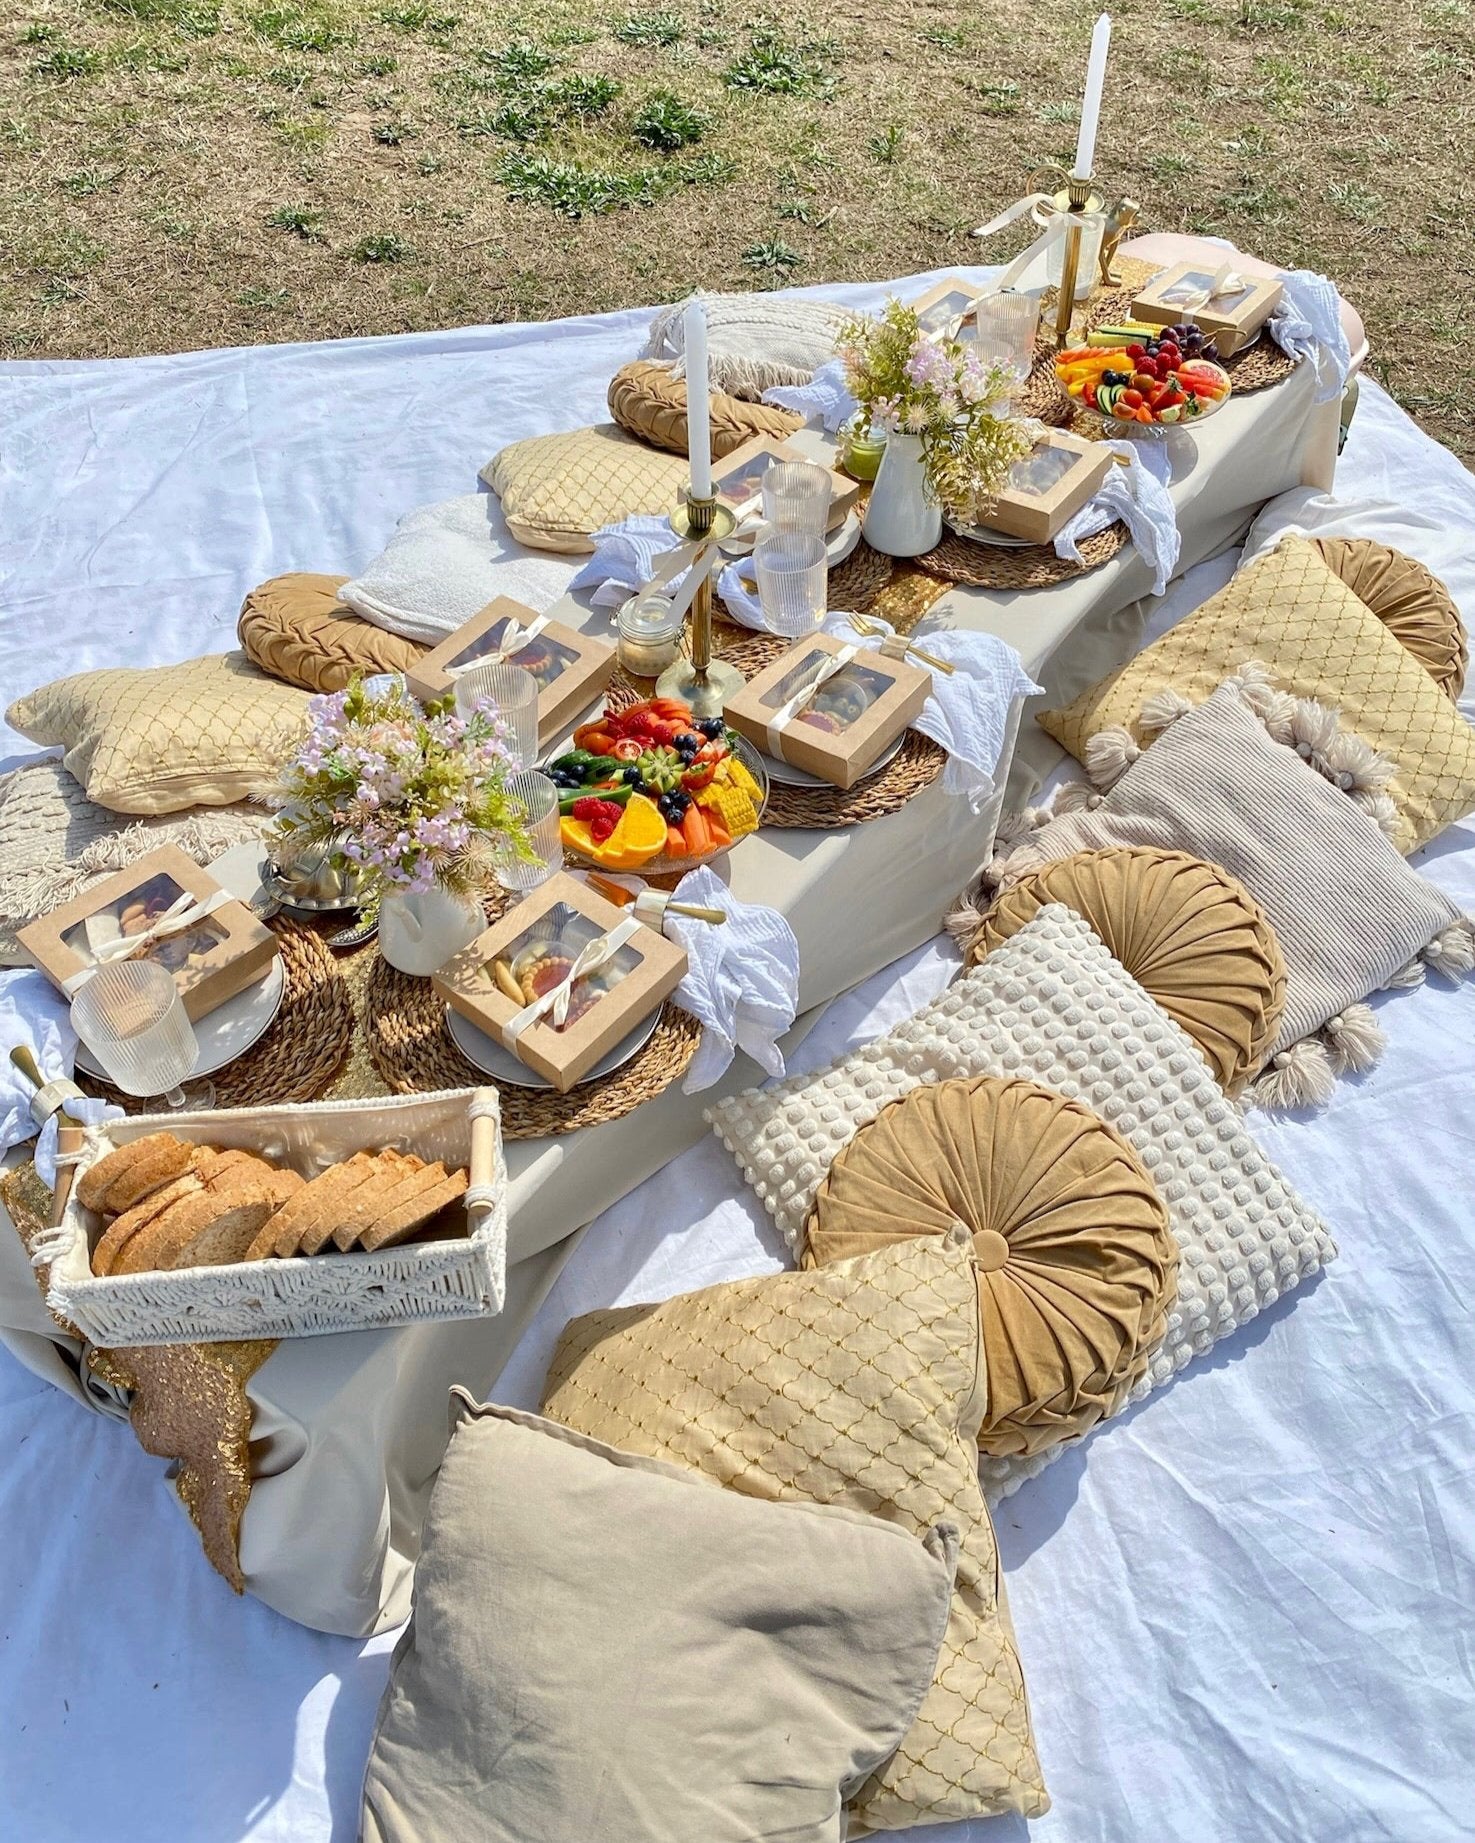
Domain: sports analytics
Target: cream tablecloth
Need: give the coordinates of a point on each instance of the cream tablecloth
(348, 1430)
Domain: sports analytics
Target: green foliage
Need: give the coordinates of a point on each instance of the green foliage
(300, 28)
(519, 62)
(775, 257)
(665, 122)
(580, 95)
(886, 146)
(650, 29)
(384, 246)
(90, 180)
(298, 221)
(67, 62)
(773, 67)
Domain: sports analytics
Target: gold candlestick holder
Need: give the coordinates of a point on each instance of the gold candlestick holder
(1078, 197)
(705, 683)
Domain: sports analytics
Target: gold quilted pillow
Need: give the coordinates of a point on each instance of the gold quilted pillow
(1320, 642)
(649, 401)
(208, 732)
(557, 489)
(1077, 1265)
(296, 628)
(1410, 601)
(858, 1384)
(1191, 935)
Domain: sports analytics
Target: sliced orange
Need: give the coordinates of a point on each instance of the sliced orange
(640, 835)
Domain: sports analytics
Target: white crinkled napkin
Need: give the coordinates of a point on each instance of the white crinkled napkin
(625, 558)
(1307, 324)
(742, 981)
(825, 399)
(34, 1013)
(968, 711)
(1138, 495)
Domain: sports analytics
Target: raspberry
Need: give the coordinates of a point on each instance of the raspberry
(591, 808)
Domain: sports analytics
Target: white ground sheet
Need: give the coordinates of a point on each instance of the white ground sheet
(1244, 1608)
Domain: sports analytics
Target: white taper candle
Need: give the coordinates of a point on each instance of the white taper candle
(1091, 103)
(698, 402)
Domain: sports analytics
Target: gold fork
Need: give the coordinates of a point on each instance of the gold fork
(869, 629)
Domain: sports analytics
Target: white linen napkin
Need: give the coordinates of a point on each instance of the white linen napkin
(625, 558)
(33, 1012)
(1138, 495)
(968, 711)
(742, 980)
(444, 563)
(825, 399)
(1307, 324)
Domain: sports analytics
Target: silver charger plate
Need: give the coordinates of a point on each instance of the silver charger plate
(489, 1056)
(226, 1032)
(785, 774)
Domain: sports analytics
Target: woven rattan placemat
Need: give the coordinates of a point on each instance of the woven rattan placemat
(991, 566)
(308, 1040)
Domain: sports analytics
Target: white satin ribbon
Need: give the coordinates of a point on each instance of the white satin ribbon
(786, 713)
(184, 913)
(1225, 281)
(598, 953)
(514, 638)
(1059, 223)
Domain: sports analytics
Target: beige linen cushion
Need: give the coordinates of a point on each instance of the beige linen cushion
(608, 1649)
(1191, 935)
(207, 732)
(1320, 642)
(295, 628)
(859, 1384)
(1077, 1265)
(558, 489)
(1410, 601)
(54, 843)
(754, 341)
(1052, 1006)
(649, 402)
(1350, 915)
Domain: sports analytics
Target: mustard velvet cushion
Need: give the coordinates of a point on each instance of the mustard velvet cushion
(608, 1649)
(1320, 642)
(1077, 1265)
(858, 1384)
(1410, 601)
(295, 628)
(1191, 935)
(558, 489)
(208, 732)
(649, 402)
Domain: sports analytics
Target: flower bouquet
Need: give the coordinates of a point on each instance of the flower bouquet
(414, 802)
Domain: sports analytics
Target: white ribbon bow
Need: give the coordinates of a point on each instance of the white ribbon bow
(514, 638)
(1224, 282)
(599, 951)
(1059, 223)
(786, 713)
(184, 913)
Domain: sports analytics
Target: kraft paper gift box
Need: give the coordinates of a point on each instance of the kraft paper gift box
(1048, 487)
(532, 949)
(571, 668)
(947, 306)
(737, 479)
(835, 727)
(1233, 318)
(176, 914)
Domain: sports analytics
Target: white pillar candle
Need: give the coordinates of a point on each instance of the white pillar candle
(698, 402)
(1091, 103)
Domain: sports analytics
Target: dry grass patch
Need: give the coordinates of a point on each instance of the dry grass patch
(181, 173)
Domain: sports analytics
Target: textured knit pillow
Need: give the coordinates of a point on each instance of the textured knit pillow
(1077, 1265)
(859, 1384)
(582, 1615)
(558, 489)
(1192, 936)
(54, 843)
(1051, 1005)
(1410, 601)
(754, 341)
(296, 628)
(1319, 642)
(208, 732)
(1350, 915)
(648, 401)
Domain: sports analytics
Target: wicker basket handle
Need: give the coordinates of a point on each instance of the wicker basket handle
(486, 1141)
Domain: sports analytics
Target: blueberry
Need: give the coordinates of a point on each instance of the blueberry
(713, 728)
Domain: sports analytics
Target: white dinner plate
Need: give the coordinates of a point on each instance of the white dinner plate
(980, 534)
(490, 1057)
(785, 774)
(229, 1030)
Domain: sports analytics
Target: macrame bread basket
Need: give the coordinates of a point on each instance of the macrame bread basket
(461, 1277)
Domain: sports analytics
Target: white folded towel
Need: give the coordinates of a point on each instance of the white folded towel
(742, 980)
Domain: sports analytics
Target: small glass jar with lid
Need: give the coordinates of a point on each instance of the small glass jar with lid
(649, 634)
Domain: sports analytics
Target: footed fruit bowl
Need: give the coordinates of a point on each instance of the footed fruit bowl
(651, 788)
(1145, 379)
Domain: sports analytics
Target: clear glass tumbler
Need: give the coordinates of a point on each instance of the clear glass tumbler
(538, 798)
(131, 1017)
(793, 578)
(796, 497)
(1004, 332)
(514, 692)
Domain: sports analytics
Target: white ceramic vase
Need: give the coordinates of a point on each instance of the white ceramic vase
(900, 520)
(420, 930)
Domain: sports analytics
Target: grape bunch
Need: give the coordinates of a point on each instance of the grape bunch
(1192, 341)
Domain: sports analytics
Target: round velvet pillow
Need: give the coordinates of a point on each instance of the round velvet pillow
(296, 628)
(1410, 601)
(1191, 935)
(646, 400)
(1077, 1266)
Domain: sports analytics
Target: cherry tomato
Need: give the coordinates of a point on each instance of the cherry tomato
(627, 751)
(1131, 399)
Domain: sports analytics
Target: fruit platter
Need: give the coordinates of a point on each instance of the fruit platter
(1139, 377)
(654, 788)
